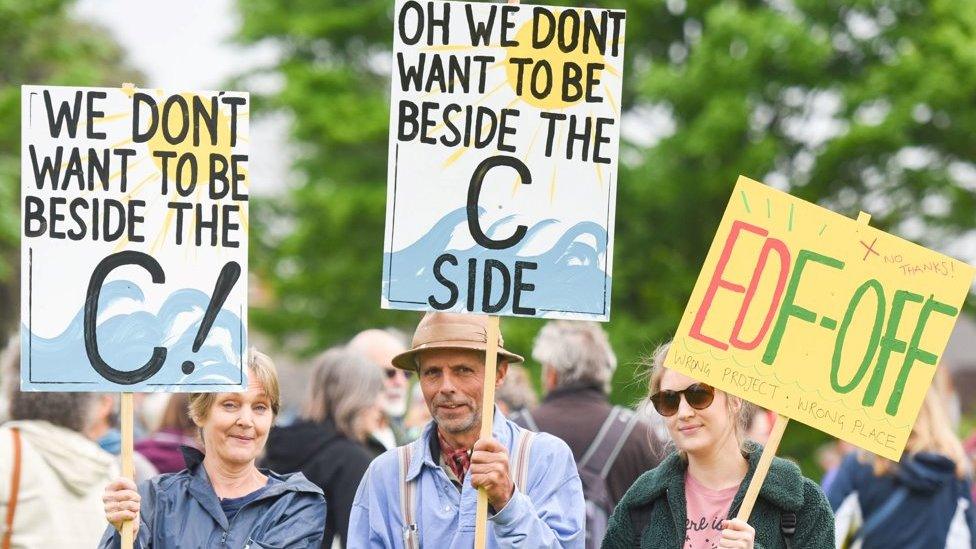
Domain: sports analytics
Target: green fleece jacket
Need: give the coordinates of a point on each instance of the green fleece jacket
(658, 499)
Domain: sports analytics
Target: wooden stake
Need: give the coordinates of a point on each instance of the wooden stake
(772, 445)
(128, 470)
(769, 452)
(126, 423)
(487, 416)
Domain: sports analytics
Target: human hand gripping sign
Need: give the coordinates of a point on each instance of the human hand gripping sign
(737, 534)
(122, 501)
(490, 471)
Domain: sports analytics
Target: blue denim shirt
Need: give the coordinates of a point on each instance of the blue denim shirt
(548, 512)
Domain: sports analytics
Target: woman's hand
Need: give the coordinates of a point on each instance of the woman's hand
(737, 534)
(121, 503)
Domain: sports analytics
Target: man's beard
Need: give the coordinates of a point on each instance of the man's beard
(456, 425)
(395, 407)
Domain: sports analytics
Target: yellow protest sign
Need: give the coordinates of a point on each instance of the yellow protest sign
(820, 318)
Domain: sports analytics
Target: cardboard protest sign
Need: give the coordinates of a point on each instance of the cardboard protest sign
(504, 133)
(134, 239)
(820, 318)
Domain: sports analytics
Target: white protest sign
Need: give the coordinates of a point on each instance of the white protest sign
(502, 175)
(134, 239)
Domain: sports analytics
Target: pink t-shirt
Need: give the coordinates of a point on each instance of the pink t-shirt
(707, 509)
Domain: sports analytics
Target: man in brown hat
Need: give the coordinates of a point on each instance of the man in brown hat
(425, 493)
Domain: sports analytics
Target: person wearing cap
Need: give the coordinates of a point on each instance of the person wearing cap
(424, 494)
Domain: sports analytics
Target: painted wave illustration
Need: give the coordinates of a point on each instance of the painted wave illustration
(126, 342)
(570, 279)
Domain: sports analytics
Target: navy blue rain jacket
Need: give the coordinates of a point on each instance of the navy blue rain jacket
(182, 510)
(936, 513)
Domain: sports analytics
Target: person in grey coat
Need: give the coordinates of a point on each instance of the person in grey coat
(222, 499)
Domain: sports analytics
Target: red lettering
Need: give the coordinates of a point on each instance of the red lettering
(718, 282)
(780, 248)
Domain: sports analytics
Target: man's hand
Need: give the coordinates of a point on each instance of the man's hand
(489, 470)
(121, 503)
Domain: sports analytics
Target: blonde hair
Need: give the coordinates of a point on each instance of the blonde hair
(261, 367)
(932, 433)
(737, 417)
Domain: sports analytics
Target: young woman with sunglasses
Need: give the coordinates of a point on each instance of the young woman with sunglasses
(690, 500)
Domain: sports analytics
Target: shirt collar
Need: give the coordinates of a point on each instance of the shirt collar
(422, 454)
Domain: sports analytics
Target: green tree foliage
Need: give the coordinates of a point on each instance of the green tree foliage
(854, 104)
(42, 43)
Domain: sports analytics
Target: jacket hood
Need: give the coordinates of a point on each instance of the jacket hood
(79, 463)
(925, 472)
(292, 446)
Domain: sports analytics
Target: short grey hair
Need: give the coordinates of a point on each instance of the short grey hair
(69, 410)
(578, 351)
(341, 385)
(517, 391)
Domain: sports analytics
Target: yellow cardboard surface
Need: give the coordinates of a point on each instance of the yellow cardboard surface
(820, 318)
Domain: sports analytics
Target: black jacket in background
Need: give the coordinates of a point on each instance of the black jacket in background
(330, 460)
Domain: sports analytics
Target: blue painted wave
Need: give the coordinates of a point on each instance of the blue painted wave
(126, 342)
(569, 280)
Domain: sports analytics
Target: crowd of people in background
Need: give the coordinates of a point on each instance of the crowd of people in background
(384, 450)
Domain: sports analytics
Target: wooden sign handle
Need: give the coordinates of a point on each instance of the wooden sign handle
(128, 470)
(765, 460)
(772, 445)
(126, 423)
(487, 417)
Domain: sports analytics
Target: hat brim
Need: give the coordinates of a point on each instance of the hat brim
(407, 360)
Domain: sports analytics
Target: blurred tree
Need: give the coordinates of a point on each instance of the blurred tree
(854, 104)
(42, 43)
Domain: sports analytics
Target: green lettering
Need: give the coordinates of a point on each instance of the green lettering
(789, 307)
(889, 343)
(879, 318)
(915, 353)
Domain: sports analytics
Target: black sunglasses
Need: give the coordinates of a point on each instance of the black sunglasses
(698, 395)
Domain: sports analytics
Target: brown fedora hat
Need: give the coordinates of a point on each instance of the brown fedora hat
(451, 331)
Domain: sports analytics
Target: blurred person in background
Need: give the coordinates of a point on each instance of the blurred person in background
(104, 429)
(612, 445)
(830, 456)
(516, 392)
(148, 409)
(51, 474)
(921, 502)
(418, 414)
(690, 499)
(379, 347)
(222, 499)
(759, 423)
(176, 429)
(327, 442)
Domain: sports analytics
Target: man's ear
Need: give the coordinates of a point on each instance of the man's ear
(501, 370)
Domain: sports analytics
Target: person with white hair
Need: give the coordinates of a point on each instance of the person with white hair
(379, 347)
(612, 445)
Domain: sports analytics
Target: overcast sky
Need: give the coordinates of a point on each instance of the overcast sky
(186, 45)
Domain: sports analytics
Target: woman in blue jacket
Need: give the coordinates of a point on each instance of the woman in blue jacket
(222, 499)
(922, 502)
